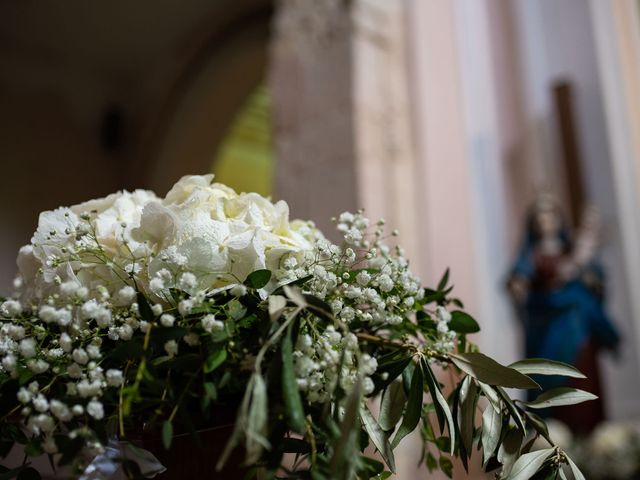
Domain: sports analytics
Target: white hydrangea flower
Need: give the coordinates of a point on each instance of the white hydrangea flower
(48, 264)
(201, 239)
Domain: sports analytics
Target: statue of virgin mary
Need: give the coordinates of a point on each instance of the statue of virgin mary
(558, 288)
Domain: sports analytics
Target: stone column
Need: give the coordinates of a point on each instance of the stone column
(342, 122)
(311, 84)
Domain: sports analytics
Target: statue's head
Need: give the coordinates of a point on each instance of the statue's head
(545, 219)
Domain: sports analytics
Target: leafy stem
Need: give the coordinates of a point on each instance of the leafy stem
(277, 334)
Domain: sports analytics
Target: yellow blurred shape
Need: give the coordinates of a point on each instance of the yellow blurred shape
(245, 159)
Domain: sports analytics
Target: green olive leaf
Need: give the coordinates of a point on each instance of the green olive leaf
(214, 360)
(295, 295)
(489, 371)
(541, 366)
(513, 409)
(414, 407)
(528, 464)
(509, 450)
(255, 434)
(442, 407)
(290, 392)
(462, 322)
(491, 429)
(258, 279)
(277, 304)
(560, 396)
(167, 434)
(392, 405)
(378, 437)
(577, 474)
(466, 412)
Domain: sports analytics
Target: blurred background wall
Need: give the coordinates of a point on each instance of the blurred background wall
(437, 115)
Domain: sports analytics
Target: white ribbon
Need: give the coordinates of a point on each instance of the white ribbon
(107, 465)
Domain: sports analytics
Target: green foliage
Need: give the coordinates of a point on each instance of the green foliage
(491, 430)
(560, 397)
(214, 360)
(378, 437)
(392, 405)
(577, 474)
(540, 366)
(413, 407)
(528, 464)
(462, 322)
(167, 434)
(290, 392)
(249, 365)
(258, 279)
(489, 371)
(441, 406)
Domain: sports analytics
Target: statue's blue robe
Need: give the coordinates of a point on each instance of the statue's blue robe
(559, 323)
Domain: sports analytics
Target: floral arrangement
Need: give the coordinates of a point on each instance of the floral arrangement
(610, 452)
(134, 308)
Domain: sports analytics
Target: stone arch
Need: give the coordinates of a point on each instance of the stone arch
(204, 100)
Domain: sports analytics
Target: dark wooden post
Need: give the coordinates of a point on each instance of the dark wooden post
(563, 99)
(581, 418)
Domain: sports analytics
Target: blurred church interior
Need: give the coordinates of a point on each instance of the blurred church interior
(447, 118)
